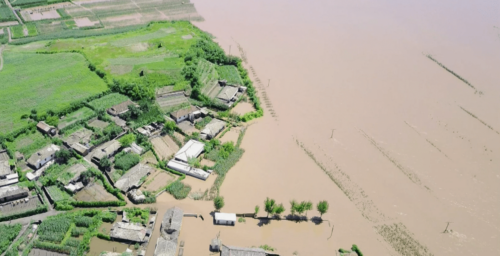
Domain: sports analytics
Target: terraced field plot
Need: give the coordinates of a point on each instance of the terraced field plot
(164, 146)
(42, 82)
(229, 73)
(94, 193)
(167, 103)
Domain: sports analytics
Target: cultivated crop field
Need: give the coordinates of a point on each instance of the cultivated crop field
(94, 193)
(57, 194)
(76, 116)
(43, 82)
(5, 13)
(108, 101)
(158, 181)
(229, 73)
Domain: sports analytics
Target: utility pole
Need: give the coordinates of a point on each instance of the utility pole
(446, 229)
(332, 133)
(268, 82)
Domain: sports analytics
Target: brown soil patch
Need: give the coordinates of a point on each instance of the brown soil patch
(187, 127)
(94, 193)
(243, 107)
(179, 136)
(85, 22)
(40, 14)
(158, 180)
(149, 157)
(139, 47)
(164, 146)
(199, 185)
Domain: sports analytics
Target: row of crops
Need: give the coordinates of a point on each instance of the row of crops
(229, 73)
(61, 233)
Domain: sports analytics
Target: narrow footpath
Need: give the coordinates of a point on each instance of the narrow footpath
(15, 13)
(1, 56)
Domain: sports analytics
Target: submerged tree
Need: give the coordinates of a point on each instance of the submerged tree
(218, 203)
(279, 209)
(322, 207)
(269, 206)
(257, 208)
(293, 207)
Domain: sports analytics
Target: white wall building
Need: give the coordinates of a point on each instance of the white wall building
(225, 218)
(192, 149)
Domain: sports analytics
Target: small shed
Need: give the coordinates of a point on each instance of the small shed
(225, 218)
(215, 245)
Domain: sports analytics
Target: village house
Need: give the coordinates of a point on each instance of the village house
(133, 178)
(46, 129)
(74, 184)
(166, 244)
(4, 169)
(9, 179)
(190, 113)
(225, 218)
(136, 196)
(121, 108)
(187, 169)
(212, 129)
(240, 251)
(108, 149)
(79, 141)
(43, 156)
(129, 233)
(11, 193)
(192, 149)
(150, 130)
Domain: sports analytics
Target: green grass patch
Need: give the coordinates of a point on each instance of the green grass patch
(28, 143)
(179, 190)
(125, 161)
(42, 82)
(31, 29)
(108, 101)
(229, 73)
(17, 31)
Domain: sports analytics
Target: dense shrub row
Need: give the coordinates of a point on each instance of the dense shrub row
(38, 210)
(9, 233)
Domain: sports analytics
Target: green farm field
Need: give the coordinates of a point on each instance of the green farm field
(108, 101)
(28, 143)
(76, 116)
(157, 48)
(43, 82)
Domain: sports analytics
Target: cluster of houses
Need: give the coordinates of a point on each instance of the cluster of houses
(230, 93)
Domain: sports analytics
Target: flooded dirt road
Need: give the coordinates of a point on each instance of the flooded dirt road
(405, 143)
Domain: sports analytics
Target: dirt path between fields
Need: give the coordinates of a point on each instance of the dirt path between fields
(1, 57)
(15, 13)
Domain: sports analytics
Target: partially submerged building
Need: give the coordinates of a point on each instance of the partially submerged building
(121, 108)
(190, 113)
(129, 233)
(136, 196)
(212, 129)
(187, 169)
(192, 149)
(133, 178)
(43, 156)
(108, 149)
(222, 218)
(11, 193)
(46, 129)
(171, 224)
(241, 251)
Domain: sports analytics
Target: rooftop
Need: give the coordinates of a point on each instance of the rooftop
(214, 127)
(121, 108)
(186, 169)
(129, 232)
(182, 112)
(227, 93)
(225, 216)
(81, 136)
(42, 154)
(171, 223)
(44, 126)
(240, 251)
(106, 149)
(4, 168)
(132, 178)
(11, 191)
(165, 247)
(191, 149)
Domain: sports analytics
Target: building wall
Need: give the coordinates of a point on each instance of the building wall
(224, 222)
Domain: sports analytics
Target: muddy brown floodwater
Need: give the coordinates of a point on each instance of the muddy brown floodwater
(401, 141)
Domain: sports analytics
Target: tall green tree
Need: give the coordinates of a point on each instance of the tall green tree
(279, 209)
(126, 140)
(301, 208)
(293, 207)
(322, 207)
(257, 208)
(63, 156)
(269, 206)
(218, 203)
(308, 206)
(105, 163)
